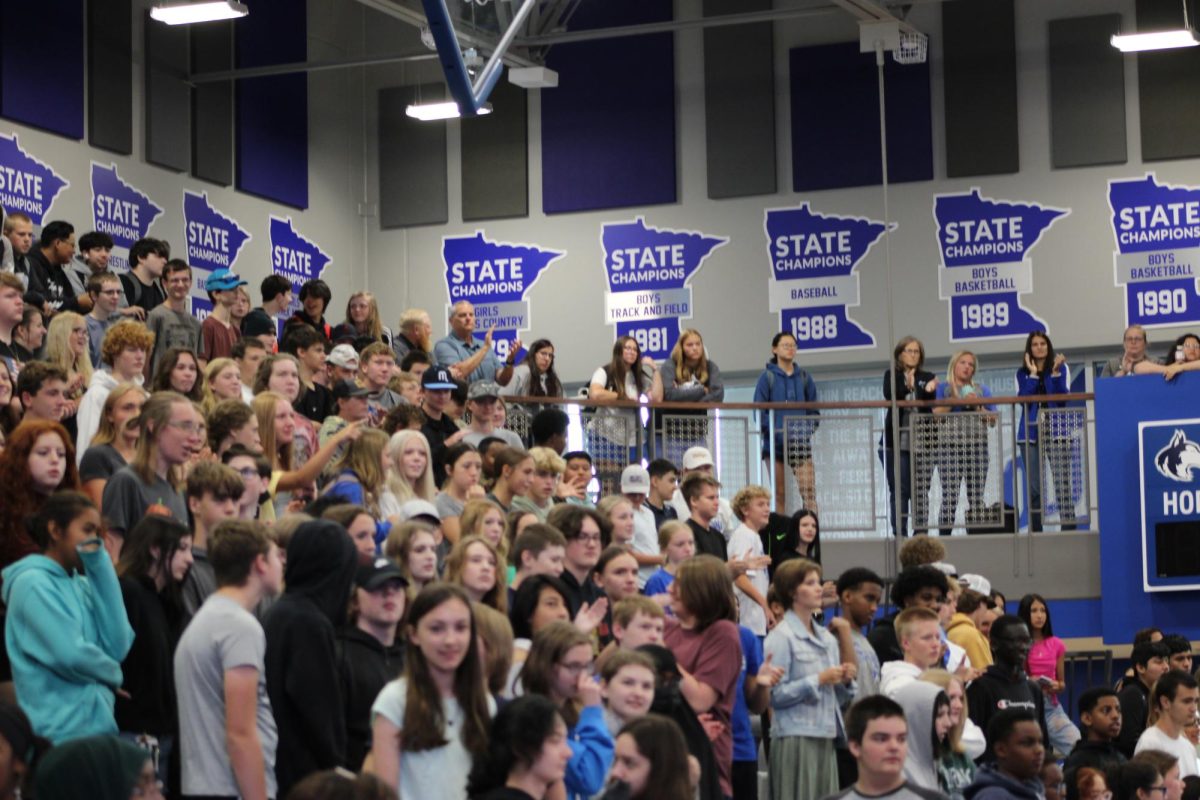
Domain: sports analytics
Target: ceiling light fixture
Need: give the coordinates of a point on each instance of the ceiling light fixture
(1158, 40)
(187, 12)
(427, 112)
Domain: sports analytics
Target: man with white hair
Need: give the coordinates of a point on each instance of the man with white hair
(468, 358)
(415, 333)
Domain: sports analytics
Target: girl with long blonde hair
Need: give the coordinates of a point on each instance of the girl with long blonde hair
(409, 471)
(361, 477)
(477, 566)
(222, 381)
(115, 443)
(67, 345)
(362, 321)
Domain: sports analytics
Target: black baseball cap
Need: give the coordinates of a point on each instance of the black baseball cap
(345, 389)
(374, 575)
(438, 378)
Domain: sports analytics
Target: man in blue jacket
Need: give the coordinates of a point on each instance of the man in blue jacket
(66, 630)
(784, 381)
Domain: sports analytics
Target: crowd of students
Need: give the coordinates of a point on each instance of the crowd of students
(322, 566)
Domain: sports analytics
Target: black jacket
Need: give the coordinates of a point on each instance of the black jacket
(708, 541)
(148, 668)
(588, 592)
(896, 384)
(365, 667)
(1098, 755)
(437, 431)
(1134, 698)
(994, 691)
(301, 661)
(883, 640)
(55, 287)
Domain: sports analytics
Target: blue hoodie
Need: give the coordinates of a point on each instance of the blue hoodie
(992, 784)
(66, 637)
(776, 386)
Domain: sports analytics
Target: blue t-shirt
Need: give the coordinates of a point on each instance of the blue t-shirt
(658, 582)
(752, 657)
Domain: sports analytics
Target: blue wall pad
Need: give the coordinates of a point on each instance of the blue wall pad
(1120, 406)
(835, 119)
(271, 128)
(608, 129)
(41, 64)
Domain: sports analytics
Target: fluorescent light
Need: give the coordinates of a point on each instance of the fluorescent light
(1158, 40)
(427, 112)
(186, 12)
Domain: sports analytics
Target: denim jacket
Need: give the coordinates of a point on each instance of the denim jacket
(803, 707)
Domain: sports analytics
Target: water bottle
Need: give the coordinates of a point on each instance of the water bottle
(1179, 355)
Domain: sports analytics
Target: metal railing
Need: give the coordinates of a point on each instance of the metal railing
(975, 470)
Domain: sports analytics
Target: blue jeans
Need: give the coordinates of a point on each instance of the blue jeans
(1063, 733)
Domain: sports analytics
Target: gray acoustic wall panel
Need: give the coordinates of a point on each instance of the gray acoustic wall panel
(739, 102)
(168, 111)
(1167, 81)
(110, 75)
(980, 62)
(495, 157)
(412, 162)
(212, 103)
(1087, 92)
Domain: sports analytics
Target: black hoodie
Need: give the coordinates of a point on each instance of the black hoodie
(996, 690)
(301, 661)
(366, 666)
(1098, 755)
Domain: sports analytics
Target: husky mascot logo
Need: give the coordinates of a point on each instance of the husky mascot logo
(1178, 458)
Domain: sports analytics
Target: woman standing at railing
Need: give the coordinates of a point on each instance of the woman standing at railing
(535, 376)
(784, 381)
(1045, 372)
(627, 377)
(688, 376)
(963, 442)
(908, 380)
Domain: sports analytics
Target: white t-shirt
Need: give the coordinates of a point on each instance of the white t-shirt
(645, 540)
(605, 422)
(1153, 738)
(438, 774)
(750, 613)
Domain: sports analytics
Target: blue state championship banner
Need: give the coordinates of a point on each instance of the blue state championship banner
(213, 242)
(984, 246)
(1170, 495)
(294, 257)
(495, 278)
(27, 185)
(122, 211)
(1157, 228)
(648, 271)
(814, 275)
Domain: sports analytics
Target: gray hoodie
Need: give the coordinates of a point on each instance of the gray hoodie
(918, 699)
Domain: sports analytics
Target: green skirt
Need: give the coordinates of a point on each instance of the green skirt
(803, 768)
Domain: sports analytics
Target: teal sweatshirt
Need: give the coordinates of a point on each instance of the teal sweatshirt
(66, 637)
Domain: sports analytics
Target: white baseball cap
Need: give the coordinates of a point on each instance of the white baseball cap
(635, 480)
(696, 457)
(976, 583)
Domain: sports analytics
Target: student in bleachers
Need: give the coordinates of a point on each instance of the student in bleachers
(1149, 660)
(917, 629)
(431, 722)
(1168, 767)
(156, 558)
(172, 431)
(1044, 372)
(248, 354)
(970, 611)
(104, 291)
(36, 462)
(965, 742)
(548, 468)
(527, 752)
(409, 471)
(651, 762)
(179, 371)
(1100, 718)
(362, 322)
(301, 661)
(18, 771)
(1180, 652)
(67, 347)
(359, 524)
(1004, 685)
(514, 470)
(413, 545)
(627, 686)
(96, 768)
(915, 586)
(963, 446)
(927, 711)
(752, 506)
(475, 565)
(462, 466)
(615, 574)
(559, 666)
(678, 544)
(66, 635)
(123, 354)
(1046, 664)
(859, 591)
(618, 513)
(581, 528)
(171, 323)
(213, 494)
(314, 301)
(1172, 703)
(1088, 783)
(222, 381)
(1015, 737)
(228, 738)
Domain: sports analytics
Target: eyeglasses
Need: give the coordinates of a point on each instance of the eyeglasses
(248, 473)
(576, 669)
(1135, 338)
(588, 538)
(188, 427)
